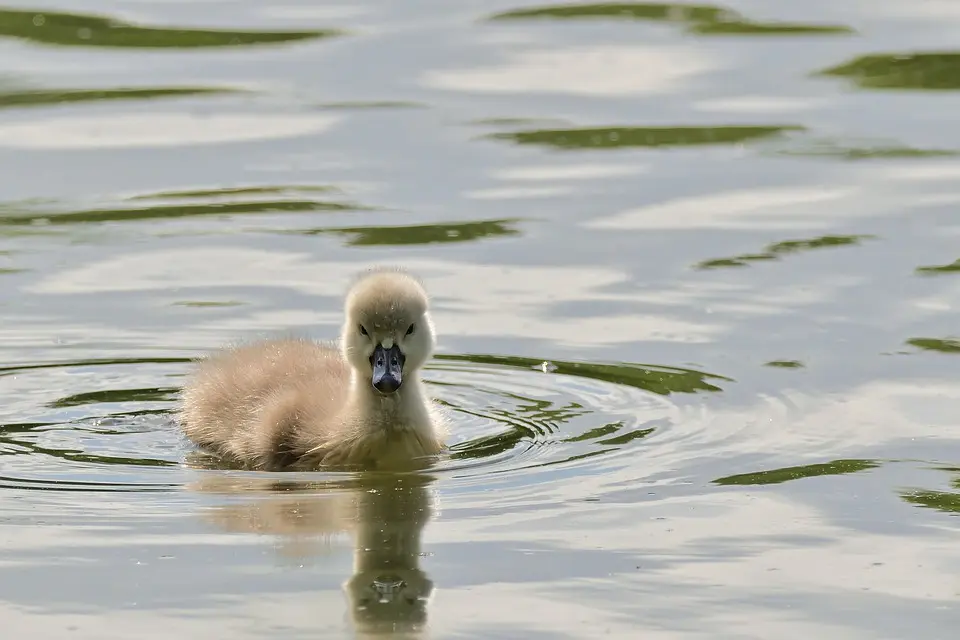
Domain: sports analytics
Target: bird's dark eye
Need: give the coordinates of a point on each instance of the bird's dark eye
(363, 330)
(411, 329)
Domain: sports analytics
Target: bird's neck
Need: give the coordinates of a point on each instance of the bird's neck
(404, 408)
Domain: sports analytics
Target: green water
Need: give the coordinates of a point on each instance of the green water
(693, 269)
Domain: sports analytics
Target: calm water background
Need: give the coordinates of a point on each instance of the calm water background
(731, 231)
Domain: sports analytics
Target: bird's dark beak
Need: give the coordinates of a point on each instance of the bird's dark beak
(387, 368)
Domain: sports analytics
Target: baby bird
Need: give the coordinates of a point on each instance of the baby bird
(296, 403)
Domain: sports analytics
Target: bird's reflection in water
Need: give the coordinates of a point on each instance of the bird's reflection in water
(384, 513)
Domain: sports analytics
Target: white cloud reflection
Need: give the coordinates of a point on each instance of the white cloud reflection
(153, 129)
(603, 70)
(527, 291)
(748, 209)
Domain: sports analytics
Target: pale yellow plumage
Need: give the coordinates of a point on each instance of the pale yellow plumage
(298, 403)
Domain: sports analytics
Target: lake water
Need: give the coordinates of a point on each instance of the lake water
(694, 267)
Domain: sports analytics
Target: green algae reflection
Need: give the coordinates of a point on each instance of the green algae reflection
(930, 71)
(658, 379)
(79, 30)
(600, 435)
(943, 345)
(42, 97)
(784, 364)
(853, 151)
(649, 137)
(153, 394)
(951, 267)
(222, 192)
(442, 233)
(776, 250)
(699, 19)
(17, 436)
(28, 216)
(945, 501)
(505, 441)
(776, 476)
(90, 362)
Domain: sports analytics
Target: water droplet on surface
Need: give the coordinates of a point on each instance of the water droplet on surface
(546, 367)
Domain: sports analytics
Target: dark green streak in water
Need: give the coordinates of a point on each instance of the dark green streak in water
(596, 432)
(37, 98)
(77, 485)
(738, 261)
(653, 378)
(552, 463)
(784, 364)
(943, 345)
(78, 456)
(747, 28)
(493, 445)
(793, 246)
(235, 191)
(953, 267)
(94, 362)
(659, 12)
(626, 438)
(156, 394)
(776, 476)
(651, 137)
(774, 251)
(530, 419)
(932, 71)
(171, 211)
(421, 234)
(79, 30)
(7, 432)
(700, 19)
(866, 151)
(608, 430)
(23, 427)
(136, 414)
(945, 501)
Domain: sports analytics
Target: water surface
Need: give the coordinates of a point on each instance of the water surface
(694, 270)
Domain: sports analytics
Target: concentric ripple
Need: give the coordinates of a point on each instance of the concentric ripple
(91, 425)
(516, 413)
(106, 425)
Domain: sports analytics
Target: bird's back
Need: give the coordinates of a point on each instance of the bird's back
(249, 402)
